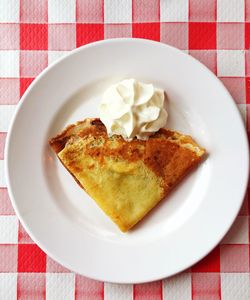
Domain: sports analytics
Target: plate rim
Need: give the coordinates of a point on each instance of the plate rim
(42, 74)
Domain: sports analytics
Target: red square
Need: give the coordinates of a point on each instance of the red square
(149, 291)
(236, 87)
(9, 90)
(23, 237)
(90, 289)
(202, 35)
(89, 11)
(32, 63)
(175, 34)
(9, 36)
(146, 11)
(248, 90)
(88, 33)
(8, 258)
(32, 11)
(247, 35)
(31, 286)
(24, 84)
(62, 37)
(150, 31)
(5, 204)
(202, 10)
(33, 36)
(207, 57)
(206, 286)
(211, 263)
(234, 258)
(31, 258)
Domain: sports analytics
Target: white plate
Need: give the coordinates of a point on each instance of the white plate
(67, 224)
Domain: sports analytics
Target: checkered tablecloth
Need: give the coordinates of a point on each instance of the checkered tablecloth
(33, 33)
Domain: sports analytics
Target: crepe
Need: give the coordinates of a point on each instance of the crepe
(126, 179)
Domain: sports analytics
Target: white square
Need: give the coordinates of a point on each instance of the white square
(235, 286)
(174, 11)
(61, 11)
(60, 286)
(117, 11)
(231, 63)
(8, 230)
(113, 291)
(9, 64)
(55, 55)
(8, 286)
(178, 287)
(6, 113)
(238, 233)
(230, 10)
(9, 11)
(2, 175)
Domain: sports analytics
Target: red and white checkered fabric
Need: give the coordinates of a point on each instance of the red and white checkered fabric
(33, 33)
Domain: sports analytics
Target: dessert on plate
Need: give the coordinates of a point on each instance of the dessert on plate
(125, 160)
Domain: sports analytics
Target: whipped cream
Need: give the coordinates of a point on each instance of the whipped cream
(133, 109)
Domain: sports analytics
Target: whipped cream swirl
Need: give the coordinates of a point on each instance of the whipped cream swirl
(133, 109)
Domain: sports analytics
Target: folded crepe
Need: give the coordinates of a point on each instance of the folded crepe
(126, 179)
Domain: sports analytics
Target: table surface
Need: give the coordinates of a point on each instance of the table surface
(34, 33)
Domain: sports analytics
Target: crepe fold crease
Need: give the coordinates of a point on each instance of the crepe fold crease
(126, 179)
